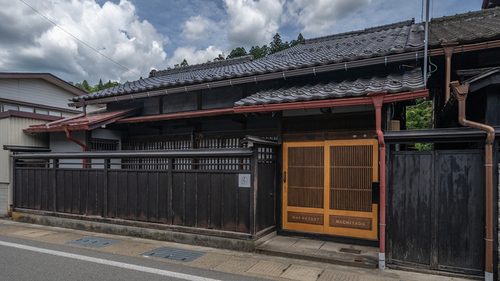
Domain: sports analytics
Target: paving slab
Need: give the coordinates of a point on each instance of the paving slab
(305, 246)
(269, 268)
(279, 243)
(303, 273)
(236, 265)
(210, 260)
(331, 250)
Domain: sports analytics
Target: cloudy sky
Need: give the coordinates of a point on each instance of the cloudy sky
(145, 34)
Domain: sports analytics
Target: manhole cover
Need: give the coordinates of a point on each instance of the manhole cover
(173, 254)
(351, 251)
(93, 242)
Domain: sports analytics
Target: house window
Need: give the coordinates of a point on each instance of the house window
(103, 144)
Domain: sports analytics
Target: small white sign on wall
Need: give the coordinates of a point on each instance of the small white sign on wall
(243, 180)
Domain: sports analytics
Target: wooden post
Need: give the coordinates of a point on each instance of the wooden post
(254, 189)
(105, 191)
(55, 165)
(170, 183)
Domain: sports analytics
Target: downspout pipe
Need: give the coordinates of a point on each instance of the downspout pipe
(378, 101)
(84, 147)
(461, 92)
(68, 135)
(426, 40)
(448, 52)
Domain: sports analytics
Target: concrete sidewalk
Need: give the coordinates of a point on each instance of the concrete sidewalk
(320, 251)
(241, 263)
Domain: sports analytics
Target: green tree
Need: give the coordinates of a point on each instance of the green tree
(299, 40)
(219, 57)
(419, 117)
(277, 44)
(100, 86)
(238, 52)
(110, 84)
(184, 63)
(259, 52)
(84, 86)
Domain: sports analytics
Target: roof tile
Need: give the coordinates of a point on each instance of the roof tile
(411, 80)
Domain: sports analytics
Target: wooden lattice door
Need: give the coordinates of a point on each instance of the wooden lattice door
(327, 187)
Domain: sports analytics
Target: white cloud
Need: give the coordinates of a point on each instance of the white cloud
(33, 44)
(318, 16)
(195, 28)
(193, 56)
(253, 22)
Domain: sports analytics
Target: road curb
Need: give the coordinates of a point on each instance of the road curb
(142, 232)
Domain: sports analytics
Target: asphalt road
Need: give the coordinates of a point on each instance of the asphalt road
(32, 260)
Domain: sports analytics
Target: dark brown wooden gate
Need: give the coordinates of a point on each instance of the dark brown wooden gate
(207, 189)
(435, 215)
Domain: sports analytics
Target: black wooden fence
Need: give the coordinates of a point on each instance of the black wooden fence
(435, 215)
(224, 189)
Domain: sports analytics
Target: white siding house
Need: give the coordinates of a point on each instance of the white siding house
(28, 99)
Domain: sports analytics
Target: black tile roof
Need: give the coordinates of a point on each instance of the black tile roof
(465, 28)
(411, 80)
(401, 37)
(377, 41)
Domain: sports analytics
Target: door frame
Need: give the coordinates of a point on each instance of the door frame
(326, 212)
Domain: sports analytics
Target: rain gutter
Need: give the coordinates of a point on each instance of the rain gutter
(461, 92)
(265, 108)
(378, 101)
(426, 40)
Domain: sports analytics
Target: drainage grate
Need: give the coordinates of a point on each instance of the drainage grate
(3, 225)
(173, 254)
(93, 242)
(352, 251)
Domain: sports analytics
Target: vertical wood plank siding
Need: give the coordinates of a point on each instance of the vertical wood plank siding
(434, 215)
(199, 194)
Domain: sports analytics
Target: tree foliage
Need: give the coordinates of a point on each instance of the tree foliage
(419, 117)
(277, 44)
(238, 52)
(219, 57)
(84, 85)
(259, 52)
(299, 40)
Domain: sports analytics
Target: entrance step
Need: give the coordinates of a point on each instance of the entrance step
(320, 251)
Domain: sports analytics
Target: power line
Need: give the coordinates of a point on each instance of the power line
(79, 39)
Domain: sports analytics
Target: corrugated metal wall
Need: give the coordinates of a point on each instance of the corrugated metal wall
(11, 133)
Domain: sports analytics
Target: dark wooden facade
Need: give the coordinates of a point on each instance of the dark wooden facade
(170, 188)
(434, 217)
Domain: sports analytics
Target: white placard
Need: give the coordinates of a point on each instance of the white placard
(243, 180)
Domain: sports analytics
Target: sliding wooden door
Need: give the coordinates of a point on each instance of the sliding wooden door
(327, 187)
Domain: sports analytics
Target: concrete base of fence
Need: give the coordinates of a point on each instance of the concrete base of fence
(115, 226)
